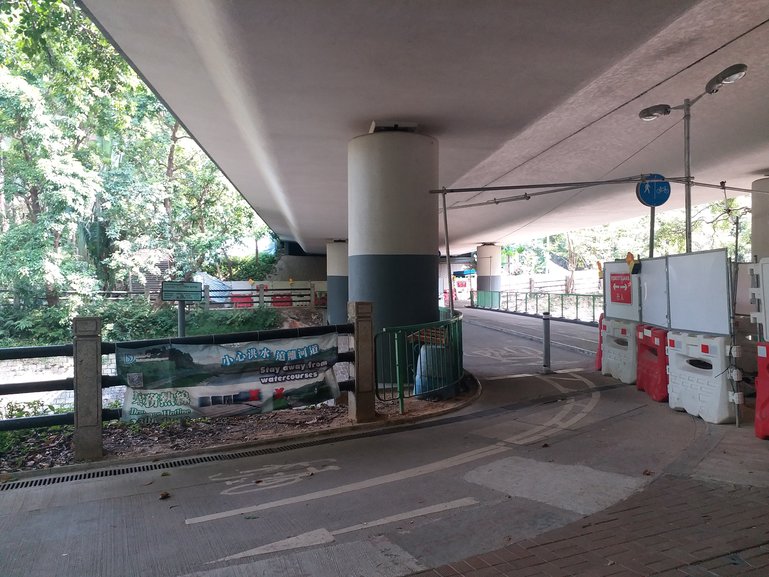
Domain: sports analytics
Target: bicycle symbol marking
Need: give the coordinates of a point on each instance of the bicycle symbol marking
(272, 476)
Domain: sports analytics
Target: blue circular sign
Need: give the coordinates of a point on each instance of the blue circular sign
(654, 191)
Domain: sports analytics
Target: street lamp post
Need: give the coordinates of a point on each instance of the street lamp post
(727, 76)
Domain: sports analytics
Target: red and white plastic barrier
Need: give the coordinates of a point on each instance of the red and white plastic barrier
(698, 376)
(618, 349)
(652, 373)
(761, 421)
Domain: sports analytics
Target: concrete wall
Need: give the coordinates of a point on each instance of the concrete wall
(300, 268)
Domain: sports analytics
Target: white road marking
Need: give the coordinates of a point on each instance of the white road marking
(553, 426)
(441, 465)
(557, 424)
(520, 375)
(324, 536)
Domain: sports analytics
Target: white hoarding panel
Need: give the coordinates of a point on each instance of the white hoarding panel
(698, 284)
(654, 292)
(742, 305)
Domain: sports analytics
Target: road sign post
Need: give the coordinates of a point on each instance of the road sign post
(653, 191)
(182, 292)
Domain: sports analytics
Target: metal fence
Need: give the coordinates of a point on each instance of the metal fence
(423, 360)
(578, 307)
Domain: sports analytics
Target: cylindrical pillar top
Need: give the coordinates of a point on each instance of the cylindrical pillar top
(336, 258)
(390, 208)
(489, 257)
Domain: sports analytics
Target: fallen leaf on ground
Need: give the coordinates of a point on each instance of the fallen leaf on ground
(165, 495)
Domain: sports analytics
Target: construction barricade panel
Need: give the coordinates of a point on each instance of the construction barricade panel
(652, 375)
(698, 373)
(618, 349)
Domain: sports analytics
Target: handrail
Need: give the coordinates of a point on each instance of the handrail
(561, 306)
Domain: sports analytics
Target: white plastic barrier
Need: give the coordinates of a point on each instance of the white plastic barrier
(698, 376)
(619, 349)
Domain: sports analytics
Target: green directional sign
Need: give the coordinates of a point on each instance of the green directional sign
(171, 290)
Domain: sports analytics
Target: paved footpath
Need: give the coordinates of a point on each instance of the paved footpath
(678, 526)
(708, 515)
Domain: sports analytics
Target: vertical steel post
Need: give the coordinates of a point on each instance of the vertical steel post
(181, 321)
(652, 212)
(448, 255)
(546, 342)
(688, 173)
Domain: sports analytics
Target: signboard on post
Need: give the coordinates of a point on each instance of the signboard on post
(171, 290)
(655, 191)
(620, 288)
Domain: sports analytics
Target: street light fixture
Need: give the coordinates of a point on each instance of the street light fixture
(727, 76)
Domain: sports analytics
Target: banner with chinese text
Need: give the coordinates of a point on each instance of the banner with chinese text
(175, 381)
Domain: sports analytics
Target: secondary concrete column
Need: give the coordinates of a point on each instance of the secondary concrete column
(337, 279)
(759, 232)
(489, 269)
(88, 442)
(393, 226)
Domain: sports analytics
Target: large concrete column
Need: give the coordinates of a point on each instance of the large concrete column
(393, 226)
(759, 233)
(336, 277)
(489, 267)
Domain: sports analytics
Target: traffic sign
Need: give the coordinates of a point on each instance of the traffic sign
(171, 290)
(653, 191)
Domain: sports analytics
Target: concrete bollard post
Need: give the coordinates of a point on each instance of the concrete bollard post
(87, 441)
(361, 403)
(546, 343)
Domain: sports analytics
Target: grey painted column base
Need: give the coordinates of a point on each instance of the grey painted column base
(489, 283)
(338, 288)
(403, 287)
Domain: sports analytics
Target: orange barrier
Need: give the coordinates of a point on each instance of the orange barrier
(761, 421)
(652, 375)
(242, 301)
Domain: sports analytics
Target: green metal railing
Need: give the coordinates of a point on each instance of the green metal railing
(578, 307)
(422, 360)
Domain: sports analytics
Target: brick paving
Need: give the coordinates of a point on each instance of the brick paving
(676, 527)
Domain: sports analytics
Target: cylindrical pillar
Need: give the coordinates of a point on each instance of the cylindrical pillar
(393, 226)
(759, 207)
(489, 267)
(337, 279)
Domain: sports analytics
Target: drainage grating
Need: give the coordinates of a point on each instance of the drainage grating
(128, 469)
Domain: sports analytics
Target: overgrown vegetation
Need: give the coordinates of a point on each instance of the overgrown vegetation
(26, 443)
(124, 320)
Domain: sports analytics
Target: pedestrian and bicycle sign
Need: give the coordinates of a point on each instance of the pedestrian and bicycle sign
(171, 290)
(654, 190)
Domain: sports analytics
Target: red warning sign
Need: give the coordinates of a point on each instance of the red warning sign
(620, 288)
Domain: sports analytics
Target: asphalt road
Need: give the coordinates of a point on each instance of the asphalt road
(535, 452)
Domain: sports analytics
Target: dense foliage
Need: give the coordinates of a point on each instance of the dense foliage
(98, 182)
